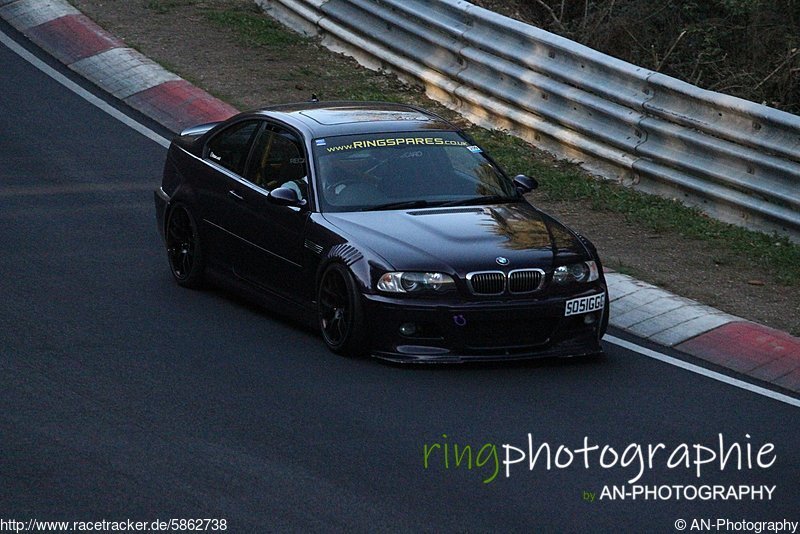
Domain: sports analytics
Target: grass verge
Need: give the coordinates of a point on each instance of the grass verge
(253, 28)
(165, 6)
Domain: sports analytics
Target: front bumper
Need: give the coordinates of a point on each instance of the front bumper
(489, 330)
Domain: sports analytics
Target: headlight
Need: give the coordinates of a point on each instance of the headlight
(415, 282)
(585, 271)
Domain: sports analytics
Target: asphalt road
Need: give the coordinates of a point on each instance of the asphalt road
(124, 396)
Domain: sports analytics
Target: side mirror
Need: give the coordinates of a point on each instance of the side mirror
(286, 196)
(525, 184)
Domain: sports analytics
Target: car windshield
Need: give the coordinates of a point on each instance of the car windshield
(405, 170)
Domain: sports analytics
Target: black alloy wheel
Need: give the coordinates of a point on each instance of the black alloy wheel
(183, 247)
(340, 312)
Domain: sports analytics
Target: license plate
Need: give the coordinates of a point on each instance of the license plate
(585, 304)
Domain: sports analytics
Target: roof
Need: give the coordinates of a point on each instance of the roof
(344, 118)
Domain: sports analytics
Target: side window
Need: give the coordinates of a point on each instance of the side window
(279, 161)
(230, 148)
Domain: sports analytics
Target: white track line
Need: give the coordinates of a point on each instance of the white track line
(80, 91)
(701, 370)
(147, 132)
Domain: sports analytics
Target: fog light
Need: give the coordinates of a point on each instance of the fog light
(408, 329)
(590, 318)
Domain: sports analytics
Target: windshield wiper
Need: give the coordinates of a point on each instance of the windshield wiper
(404, 204)
(489, 199)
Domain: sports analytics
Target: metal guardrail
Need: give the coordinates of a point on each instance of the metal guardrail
(736, 160)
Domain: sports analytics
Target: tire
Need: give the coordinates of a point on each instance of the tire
(184, 250)
(340, 312)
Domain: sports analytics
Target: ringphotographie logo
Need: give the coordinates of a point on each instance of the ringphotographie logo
(493, 462)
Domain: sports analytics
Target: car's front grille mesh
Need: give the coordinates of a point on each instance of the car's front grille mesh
(488, 283)
(494, 282)
(525, 281)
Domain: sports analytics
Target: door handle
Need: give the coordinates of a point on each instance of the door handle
(233, 193)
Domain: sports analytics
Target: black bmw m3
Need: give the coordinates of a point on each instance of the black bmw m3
(386, 227)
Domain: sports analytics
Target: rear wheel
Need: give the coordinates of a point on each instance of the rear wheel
(184, 250)
(340, 313)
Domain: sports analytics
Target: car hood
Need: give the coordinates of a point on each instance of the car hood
(462, 239)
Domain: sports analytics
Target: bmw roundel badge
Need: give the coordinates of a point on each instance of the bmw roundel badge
(501, 260)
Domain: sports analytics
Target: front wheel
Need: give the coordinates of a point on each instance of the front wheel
(339, 311)
(184, 250)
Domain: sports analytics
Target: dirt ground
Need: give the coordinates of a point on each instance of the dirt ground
(247, 72)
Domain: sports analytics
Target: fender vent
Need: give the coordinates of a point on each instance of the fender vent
(347, 253)
(313, 247)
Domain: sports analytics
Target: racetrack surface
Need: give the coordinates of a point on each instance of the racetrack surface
(125, 396)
